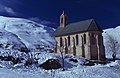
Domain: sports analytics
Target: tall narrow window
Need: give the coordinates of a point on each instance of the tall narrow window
(99, 39)
(62, 20)
(68, 40)
(84, 39)
(61, 42)
(77, 42)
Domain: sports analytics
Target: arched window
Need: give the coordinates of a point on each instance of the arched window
(68, 40)
(84, 38)
(61, 42)
(61, 20)
(77, 42)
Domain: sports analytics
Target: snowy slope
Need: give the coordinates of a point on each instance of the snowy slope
(115, 33)
(26, 32)
(10, 38)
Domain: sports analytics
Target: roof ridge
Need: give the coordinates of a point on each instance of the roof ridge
(81, 21)
(90, 24)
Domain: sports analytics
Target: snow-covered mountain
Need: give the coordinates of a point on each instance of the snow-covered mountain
(114, 33)
(23, 32)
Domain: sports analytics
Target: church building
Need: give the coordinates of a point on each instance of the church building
(83, 38)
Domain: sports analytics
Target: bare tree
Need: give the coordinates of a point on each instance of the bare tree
(112, 45)
(61, 49)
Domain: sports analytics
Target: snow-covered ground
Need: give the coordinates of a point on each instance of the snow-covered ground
(110, 70)
(72, 69)
(98, 71)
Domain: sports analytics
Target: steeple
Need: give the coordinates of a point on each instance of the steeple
(63, 19)
(63, 12)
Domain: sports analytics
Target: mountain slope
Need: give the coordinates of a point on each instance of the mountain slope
(27, 32)
(114, 33)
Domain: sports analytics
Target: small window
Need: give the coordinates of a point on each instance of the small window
(77, 42)
(61, 42)
(68, 40)
(84, 38)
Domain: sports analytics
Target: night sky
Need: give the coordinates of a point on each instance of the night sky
(105, 12)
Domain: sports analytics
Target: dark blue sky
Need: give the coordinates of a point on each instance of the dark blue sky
(105, 12)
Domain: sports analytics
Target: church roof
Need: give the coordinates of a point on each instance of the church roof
(78, 27)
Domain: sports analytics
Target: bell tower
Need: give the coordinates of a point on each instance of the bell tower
(63, 20)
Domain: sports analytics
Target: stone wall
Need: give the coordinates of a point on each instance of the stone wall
(90, 47)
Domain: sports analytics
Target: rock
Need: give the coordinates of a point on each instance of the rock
(74, 60)
(29, 62)
(51, 64)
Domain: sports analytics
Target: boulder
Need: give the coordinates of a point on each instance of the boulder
(74, 60)
(51, 64)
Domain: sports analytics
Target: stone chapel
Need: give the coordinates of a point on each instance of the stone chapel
(83, 38)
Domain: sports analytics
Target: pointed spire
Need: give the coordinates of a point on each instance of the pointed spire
(63, 19)
(63, 12)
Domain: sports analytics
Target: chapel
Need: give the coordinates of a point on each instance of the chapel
(83, 38)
